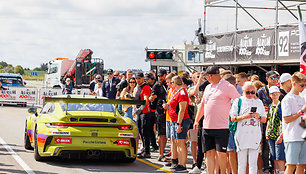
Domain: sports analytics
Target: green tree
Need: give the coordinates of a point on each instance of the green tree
(18, 70)
(8, 69)
(44, 67)
(4, 64)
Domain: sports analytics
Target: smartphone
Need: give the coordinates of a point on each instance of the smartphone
(253, 109)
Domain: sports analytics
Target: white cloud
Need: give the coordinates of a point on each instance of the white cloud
(35, 31)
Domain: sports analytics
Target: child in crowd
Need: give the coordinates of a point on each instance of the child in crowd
(274, 133)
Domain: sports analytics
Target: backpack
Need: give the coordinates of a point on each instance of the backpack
(233, 125)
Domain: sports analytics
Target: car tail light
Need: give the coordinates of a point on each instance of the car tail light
(125, 127)
(56, 125)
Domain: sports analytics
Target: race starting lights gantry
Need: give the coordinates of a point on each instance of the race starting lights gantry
(159, 54)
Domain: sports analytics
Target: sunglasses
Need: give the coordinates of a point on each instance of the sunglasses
(116, 75)
(250, 92)
(274, 77)
(302, 85)
(109, 73)
(171, 82)
(132, 82)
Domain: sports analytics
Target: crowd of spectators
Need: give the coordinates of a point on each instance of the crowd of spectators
(234, 123)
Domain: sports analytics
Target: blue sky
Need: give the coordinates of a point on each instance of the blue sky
(35, 31)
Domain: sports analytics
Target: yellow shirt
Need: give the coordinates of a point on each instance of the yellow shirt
(171, 92)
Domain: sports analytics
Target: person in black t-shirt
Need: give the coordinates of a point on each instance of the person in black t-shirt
(157, 98)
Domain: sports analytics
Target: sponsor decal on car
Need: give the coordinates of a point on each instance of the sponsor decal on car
(122, 142)
(60, 133)
(93, 142)
(125, 134)
(63, 141)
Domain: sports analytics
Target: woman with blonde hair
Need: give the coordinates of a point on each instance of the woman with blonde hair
(248, 111)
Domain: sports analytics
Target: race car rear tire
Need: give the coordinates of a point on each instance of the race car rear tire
(130, 160)
(27, 143)
(37, 157)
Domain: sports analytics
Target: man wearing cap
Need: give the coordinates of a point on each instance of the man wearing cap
(109, 89)
(285, 84)
(263, 94)
(145, 117)
(157, 98)
(149, 79)
(215, 107)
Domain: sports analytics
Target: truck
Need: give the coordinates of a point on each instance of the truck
(81, 70)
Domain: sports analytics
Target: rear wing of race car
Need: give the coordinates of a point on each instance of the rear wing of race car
(93, 101)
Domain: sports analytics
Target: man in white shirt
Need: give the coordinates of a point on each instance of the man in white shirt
(293, 109)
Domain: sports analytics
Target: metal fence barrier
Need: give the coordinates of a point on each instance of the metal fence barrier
(32, 96)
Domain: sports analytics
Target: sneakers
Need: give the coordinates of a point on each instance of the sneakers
(141, 151)
(195, 170)
(172, 163)
(180, 168)
(144, 155)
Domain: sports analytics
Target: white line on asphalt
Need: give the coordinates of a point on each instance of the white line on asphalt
(16, 157)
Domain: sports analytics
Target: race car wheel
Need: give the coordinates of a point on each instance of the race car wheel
(27, 143)
(130, 160)
(37, 157)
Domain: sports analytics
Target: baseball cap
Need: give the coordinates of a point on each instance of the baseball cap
(272, 73)
(162, 72)
(139, 75)
(284, 77)
(212, 70)
(149, 76)
(109, 71)
(273, 89)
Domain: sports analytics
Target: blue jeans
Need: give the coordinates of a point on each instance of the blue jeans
(277, 150)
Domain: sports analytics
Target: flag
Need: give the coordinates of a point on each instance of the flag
(302, 42)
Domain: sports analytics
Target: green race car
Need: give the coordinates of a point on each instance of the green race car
(81, 127)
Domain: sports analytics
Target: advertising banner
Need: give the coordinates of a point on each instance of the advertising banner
(21, 95)
(219, 48)
(48, 92)
(288, 43)
(255, 45)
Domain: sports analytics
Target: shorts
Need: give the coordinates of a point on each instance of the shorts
(295, 152)
(183, 134)
(231, 142)
(193, 137)
(277, 150)
(168, 129)
(215, 139)
(161, 124)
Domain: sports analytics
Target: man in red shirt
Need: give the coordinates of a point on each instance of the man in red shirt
(145, 115)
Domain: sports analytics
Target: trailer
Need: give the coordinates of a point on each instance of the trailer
(80, 71)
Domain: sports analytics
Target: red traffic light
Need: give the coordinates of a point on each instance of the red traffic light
(152, 55)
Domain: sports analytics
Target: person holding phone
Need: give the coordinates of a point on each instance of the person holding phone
(248, 133)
